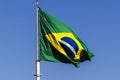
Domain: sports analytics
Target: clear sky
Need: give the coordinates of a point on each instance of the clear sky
(96, 22)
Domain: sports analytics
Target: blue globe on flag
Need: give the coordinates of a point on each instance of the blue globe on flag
(69, 46)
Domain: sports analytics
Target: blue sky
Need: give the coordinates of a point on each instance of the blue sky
(96, 22)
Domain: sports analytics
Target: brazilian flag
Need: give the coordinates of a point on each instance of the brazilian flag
(58, 43)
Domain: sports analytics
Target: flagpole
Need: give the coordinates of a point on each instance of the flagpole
(37, 45)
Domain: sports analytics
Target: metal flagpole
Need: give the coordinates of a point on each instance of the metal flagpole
(37, 45)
